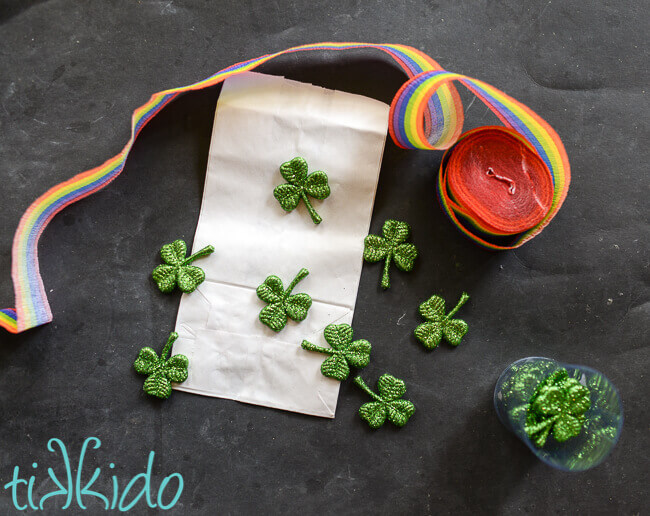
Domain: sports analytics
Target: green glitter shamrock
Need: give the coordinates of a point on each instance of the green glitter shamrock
(343, 353)
(177, 269)
(162, 371)
(391, 247)
(282, 304)
(558, 405)
(388, 402)
(431, 332)
(299, 185)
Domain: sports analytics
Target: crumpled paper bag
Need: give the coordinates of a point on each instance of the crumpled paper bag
(262, 121)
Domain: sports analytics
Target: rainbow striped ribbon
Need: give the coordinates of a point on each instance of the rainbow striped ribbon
(426, 113)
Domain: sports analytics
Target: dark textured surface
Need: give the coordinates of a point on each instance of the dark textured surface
(72, 72)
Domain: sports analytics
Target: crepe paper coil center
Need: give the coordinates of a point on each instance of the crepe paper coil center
(496, 180)
(281, 304)
(161, 370)
(343, 352)
(558, 406)
(388, 403)
(177, 269)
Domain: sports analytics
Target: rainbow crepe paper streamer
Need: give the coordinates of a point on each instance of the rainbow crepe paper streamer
(426, 113)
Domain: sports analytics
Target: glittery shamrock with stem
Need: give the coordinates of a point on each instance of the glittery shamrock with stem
(388, 402)
(161, 370)
(300, 185)
(343, 351)
(438, 324)
(177, 269)
(282, 305)
(558, 405)
(391, 247)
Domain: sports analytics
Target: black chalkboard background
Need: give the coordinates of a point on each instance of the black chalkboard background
(72, 72)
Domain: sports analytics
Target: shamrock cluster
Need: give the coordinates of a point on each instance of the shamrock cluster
(345, 353)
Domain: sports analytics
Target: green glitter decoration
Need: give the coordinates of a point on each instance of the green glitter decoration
(388, 404)
(161, 370)
(558, 406)
(601, 423)
(438, 324)
(177, 269)
(301, 185)
(282, 305)
(343, 351)
(391, 247)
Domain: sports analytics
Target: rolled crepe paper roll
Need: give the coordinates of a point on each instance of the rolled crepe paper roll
(494, 184)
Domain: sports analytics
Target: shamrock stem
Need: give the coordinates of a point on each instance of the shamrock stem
(463, 300)
(165, 352)
(199, 254)
(302, 274)
(359, 381)
(314, 216)
(313, 347)
(531, 430)
(385, 278)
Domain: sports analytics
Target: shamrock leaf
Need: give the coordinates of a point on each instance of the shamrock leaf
(178, 270)
(162, 371)
(399, 412)
(300, 185)
(558, 406)
(438, 324)
(390, 388)
(343, 352)
(374, 412)
(391, 247)
(388, 402)
(282, 305)
(274, 316)
(297, 306)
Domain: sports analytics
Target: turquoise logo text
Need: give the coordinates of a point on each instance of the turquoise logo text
(76, 488)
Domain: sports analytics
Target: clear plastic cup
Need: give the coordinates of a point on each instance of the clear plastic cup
(603, 420)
